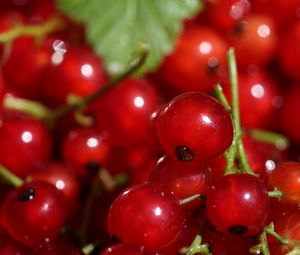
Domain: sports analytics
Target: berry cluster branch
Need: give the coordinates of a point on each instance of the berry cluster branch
(36, 30)
(263, 246)
(49, 116)
(10, 177)
(83, 102)
(196, 247)
(236, 150)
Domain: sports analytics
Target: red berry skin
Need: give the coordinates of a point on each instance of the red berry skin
(146, 214)
(226, 14)
(195, 127)
(59, 176)
(125, 111)
(72, 70)
(259, 99)
(118, 249)
(289, 227)
(289, 121)
(34, 59)
(59, 249)
(286, 177)
(289, 51)
(184, 180)
(258, 30)
(26, 140)
(34, 213)
(198, 61)
(239, 205)
(11, 247)
(85, 146)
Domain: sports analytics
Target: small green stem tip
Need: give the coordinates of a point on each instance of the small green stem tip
(190, 199)
(10, 177)
(196, 247)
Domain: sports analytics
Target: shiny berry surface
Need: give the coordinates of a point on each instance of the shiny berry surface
(72, 70)
(26, 139)
(34, 213)
(125, 111)
(184, 180)
(186, 123)
(286, 177)
(239, 205)
(158, 218)
(198, 61)
(118, 249)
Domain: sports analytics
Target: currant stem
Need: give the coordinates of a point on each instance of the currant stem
(39, 30)
(280, 141)
(10, 177)
(295, 250)
(83, 102)
(190, 199)
(270, 230)
(235, 112)
(33, 108)
(221, 97)
(275, 193)
(88, 249)
(196, 247)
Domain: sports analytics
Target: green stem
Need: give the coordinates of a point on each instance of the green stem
(10, 177)
(189, 199)
(39, 30)
(295, 250)
(270, 231)
(196, 247)
(30, 107)
(230, 158)
(58, 113)
(280, 141)
(275, 193)
(264, 243)
(88, 249)
(235, 112)
(221, 97)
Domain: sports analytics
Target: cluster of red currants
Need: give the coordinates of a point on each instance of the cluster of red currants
(199, 177)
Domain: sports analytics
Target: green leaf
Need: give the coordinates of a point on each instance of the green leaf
(119, 29)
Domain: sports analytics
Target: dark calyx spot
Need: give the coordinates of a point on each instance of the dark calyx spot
(184, 153)
(238, 230)
(27, 195)
(239, 29)
(213, 66)
(93, 167)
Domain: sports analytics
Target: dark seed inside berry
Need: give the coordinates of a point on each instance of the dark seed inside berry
(184, 153)
(26, 195)
(238, 230)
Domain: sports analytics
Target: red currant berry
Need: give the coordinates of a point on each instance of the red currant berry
(182, 179)
(34, 213)
(198, 61)
(125, 111)
(195, 127)
(73, 70)
(26, 140)
(239, 205)
(286, 177)
(158, 217)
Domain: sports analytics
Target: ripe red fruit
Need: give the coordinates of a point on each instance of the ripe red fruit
(34, 213)
(198, 61)
(184, 180)
(26, 140)
(146, 214)
(125, 111)
(258, 30)
(73, 70)
(239, 205)
(286, 177)
(195, 127)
